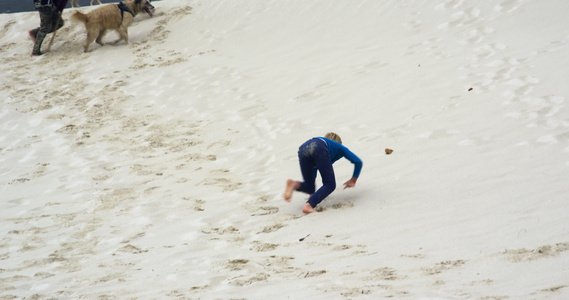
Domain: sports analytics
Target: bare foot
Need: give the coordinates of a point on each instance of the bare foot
(307, 208)
(291, 186)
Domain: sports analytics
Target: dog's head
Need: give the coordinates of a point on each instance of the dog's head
(146, 6)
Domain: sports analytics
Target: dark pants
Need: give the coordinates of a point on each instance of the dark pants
(48, 20)
(313, 155)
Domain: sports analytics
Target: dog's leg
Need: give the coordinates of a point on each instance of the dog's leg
(99, 39)
(124, 35)
(91, 36)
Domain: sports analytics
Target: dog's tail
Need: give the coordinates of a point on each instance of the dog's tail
(79, 17)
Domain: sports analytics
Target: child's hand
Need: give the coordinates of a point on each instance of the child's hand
(350, 183)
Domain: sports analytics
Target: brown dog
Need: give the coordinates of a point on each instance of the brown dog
(111, 17)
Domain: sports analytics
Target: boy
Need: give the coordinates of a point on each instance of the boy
(318, 154)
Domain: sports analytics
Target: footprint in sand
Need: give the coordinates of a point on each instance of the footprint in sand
(523, 255)
(265, 210)
(272, 228)
(131, 249)
(263, 247)
(443, 266)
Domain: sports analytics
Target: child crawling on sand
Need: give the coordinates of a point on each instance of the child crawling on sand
(318, 154)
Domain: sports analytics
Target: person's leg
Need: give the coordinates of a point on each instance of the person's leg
(33, 33)
(307, 166)
(46, 27)
(324, 166)
(307, 170)
(40, 36)
(55, 16)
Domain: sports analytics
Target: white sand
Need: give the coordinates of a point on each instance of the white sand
(155, 170)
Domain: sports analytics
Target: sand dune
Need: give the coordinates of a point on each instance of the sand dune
(155, 170)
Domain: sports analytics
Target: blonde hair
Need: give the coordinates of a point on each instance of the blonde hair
(333, 136)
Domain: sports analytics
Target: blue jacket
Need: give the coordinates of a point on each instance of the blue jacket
(338, 151)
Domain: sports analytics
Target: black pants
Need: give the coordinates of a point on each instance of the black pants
(313, 155)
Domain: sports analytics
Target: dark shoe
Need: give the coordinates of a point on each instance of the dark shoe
(36, 54)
